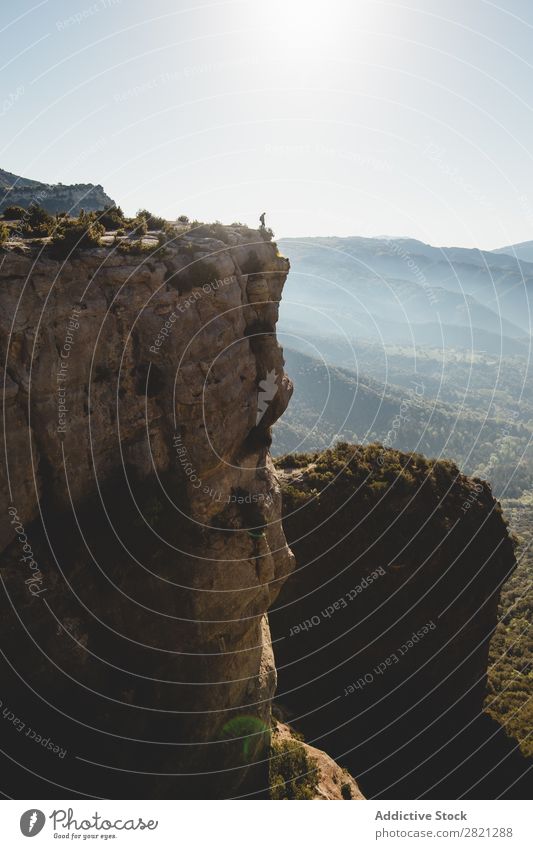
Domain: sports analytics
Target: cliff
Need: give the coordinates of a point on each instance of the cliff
(142, 546)
(382, 632)
(18, 191)
(141, 535)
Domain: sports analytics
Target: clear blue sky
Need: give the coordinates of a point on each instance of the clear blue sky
(338, 117)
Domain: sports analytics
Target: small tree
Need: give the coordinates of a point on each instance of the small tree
(38, 222)
(14, 213)
(4, 233)
(153, 222)
(112, 218)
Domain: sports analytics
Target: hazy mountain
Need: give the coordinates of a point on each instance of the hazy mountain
(522, 251)
(454, 286)
(19, 191)
(7, 180)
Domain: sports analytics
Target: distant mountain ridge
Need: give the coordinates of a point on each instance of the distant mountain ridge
(20, 191)
(376, 280)
(522, 251)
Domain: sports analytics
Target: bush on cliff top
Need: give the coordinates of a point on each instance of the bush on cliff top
(112, 218)
(38, 223)
(13, 213)
(75, 237)
(153, 222)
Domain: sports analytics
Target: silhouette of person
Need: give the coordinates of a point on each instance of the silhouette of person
(262, 220)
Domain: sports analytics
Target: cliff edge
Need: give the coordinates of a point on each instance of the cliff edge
(141, 536)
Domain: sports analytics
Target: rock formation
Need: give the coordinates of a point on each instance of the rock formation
(142, 547)
(17, 191)
(381, 633)
(141, 534)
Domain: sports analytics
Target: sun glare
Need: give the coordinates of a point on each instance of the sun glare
(319, 23)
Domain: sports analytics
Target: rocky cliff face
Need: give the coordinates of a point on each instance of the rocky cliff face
(17, 191)
(381, 634)
(141, 535)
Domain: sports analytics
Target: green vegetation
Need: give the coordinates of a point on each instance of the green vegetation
(4, 233)
(293, 774)
(111, 218)
(85, 233)
(510, 679)
(441, 409)
(14, 213)
(213, 231)
(38, 223)
(153, 222)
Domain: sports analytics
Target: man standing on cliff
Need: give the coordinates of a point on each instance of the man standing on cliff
(262, 220)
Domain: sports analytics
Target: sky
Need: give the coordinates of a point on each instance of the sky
(336, 117)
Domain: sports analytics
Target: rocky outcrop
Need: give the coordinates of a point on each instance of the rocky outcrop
(381, 633)
(329, 781)
(141, 534)
(17, 191)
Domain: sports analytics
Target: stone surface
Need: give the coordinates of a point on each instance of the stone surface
(332, 779)
(142, 480)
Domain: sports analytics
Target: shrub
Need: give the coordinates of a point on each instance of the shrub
(346, 791)
(76, 237)
(153, 222)
(112, 218)
(4, 233)
(139, 227)
(183, 219)
(213, 231)
(293, 774)
(38, 222)
(14, 213)
(136, 247)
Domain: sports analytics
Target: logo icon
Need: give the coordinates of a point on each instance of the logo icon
(32, 822)
(269, 388)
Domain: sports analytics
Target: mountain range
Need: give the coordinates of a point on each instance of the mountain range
(406, 292)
